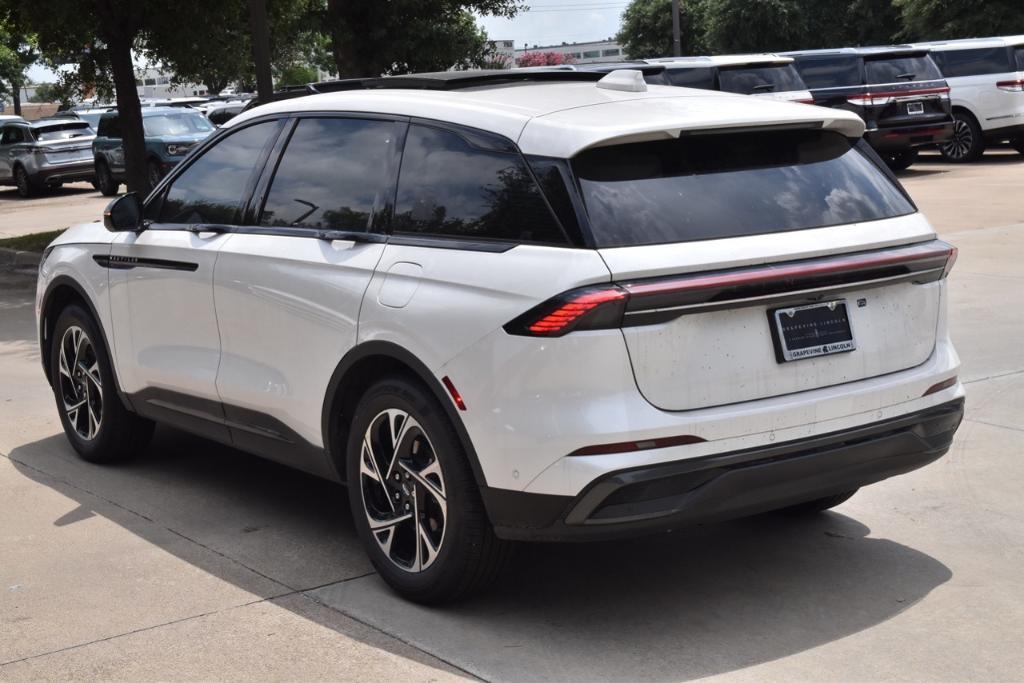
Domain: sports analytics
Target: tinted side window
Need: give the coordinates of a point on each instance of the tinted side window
(211, 189)
(829, 72)
(12, 135)
(1019, 58)
(110, 127)
(703, 78)
(901, 69)
(989, 60)
(760, 79)
(450, 187)
(335, 174)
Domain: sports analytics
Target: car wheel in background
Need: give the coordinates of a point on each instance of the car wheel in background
(414, 500)
(902, 160)
(1018, 144)
(26, 188)
(153, 173)
(967, 143)
(105, 182)
(820, 505)
(95, 420)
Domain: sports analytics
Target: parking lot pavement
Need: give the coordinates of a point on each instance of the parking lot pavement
(198, 561)
(73, 203)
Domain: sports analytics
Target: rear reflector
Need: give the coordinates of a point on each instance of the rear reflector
(1011, 86)
(456, 396)
(632, 446)
(649, 301)
(936, 388)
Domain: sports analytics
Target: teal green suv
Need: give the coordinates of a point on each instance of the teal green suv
(170, 133)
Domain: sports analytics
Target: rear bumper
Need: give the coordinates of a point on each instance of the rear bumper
(67, 173)
(661, 497)
(905, 137)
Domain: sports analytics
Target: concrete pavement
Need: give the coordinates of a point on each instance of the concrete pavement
(197, 561)
(73, 203)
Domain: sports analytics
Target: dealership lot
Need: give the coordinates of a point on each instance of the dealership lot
(198, 561)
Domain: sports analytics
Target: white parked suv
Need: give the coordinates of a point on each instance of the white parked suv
(986, 88)
(765, 75)
(505, 306)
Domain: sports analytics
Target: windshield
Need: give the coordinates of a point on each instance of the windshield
(185, 123)
(899, 69)
(729, 185)
(749, 80)
(63, 131)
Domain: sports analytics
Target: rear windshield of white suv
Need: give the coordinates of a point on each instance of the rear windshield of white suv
(730, 185)
(750, 80)
(900, 69)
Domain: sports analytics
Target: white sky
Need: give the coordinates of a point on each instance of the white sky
(547, 22)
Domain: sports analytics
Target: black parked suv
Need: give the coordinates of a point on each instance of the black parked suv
(898, 91)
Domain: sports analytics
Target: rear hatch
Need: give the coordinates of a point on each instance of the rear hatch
(904, 89)
(759, 263)
(779, 81)
(65, 142)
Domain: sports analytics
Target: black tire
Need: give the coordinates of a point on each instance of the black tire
(105, 182)
(1018, 144)
(967, 143)
(900, 161)
(119, 434)
(26, 186)
(820, 505)
(153, 173)
(468, 555)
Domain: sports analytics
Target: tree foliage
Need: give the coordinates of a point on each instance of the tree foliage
(646, 29)
(945, 19)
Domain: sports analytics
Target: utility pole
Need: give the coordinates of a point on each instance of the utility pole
(677, 46)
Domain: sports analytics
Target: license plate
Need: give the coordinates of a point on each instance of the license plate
(915, 108)
(813, 330)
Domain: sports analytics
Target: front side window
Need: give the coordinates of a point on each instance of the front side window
(211, 190)
(449, 186)
(989, 60)
(901, 69)
(730, 185)
(335, 174)
(749, 80)
(184, 123)
(829, 72)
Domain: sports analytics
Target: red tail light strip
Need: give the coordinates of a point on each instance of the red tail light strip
(632, 446)
(1011, 86)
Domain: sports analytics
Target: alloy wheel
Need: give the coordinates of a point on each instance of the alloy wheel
(81, 385)
(962, 141)
(403, 490)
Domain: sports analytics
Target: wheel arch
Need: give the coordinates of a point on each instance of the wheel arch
(964, 109)
(356, 372)
(61, 292)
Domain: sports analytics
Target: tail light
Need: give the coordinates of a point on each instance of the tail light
(889, 96)
(1011, 86)
(804, 100)
(649, 301)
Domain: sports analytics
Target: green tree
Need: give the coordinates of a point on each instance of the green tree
(17, 53)
(946, 19)
(756, 25)
(296, 74)
(371, 38)
(646, 29)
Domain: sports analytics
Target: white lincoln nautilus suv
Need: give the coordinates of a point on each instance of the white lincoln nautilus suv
(517, 305)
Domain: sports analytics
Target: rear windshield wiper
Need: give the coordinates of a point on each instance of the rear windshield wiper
(765, 86)
(909, 75)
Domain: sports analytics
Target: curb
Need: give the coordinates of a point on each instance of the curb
(14, 259)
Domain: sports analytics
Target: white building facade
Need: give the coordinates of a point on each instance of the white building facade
(582, 53)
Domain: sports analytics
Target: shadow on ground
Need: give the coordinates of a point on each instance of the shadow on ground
(708, 600)
(70, 190)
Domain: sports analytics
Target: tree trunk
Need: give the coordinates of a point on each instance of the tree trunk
(341, 46)
(16, 97)
(129, 114)
(261, 49)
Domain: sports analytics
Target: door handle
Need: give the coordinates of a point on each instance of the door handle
(215, 229)
(352, 236)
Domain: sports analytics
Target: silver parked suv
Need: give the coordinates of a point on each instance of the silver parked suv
(47, 153)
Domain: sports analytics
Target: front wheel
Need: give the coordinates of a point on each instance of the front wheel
(901, 160)
(95, 421)
(1018, 144)
(414, 500)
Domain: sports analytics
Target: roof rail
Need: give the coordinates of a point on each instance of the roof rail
(456, 80)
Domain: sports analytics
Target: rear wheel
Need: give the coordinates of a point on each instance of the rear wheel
(821, 504)
(413, 497)
(26, 188)
(105, 182)
(1018, 144)
(95, 421)
(902, 160)
(967, 143)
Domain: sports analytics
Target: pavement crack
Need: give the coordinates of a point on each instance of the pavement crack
(996, 376)
(994, 424)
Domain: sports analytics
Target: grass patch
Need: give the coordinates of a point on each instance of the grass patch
(34, 242)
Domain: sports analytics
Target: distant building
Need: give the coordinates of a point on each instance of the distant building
(504, 50)
(582, 53)
(155, 83)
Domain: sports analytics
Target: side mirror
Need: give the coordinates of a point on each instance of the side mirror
(124, 214)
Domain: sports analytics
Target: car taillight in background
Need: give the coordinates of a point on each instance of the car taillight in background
(888, 96)
(1011, 86)
(640, 302)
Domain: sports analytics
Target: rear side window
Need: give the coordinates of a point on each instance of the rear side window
(901, 69)
(761, 79)
(12, 135)
(211, 189)
(829, 72)
(110, 127)
(989, 60)
(452, 187)
(730, 185)
(1018, 55)
(702, 78)
(335, 174)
